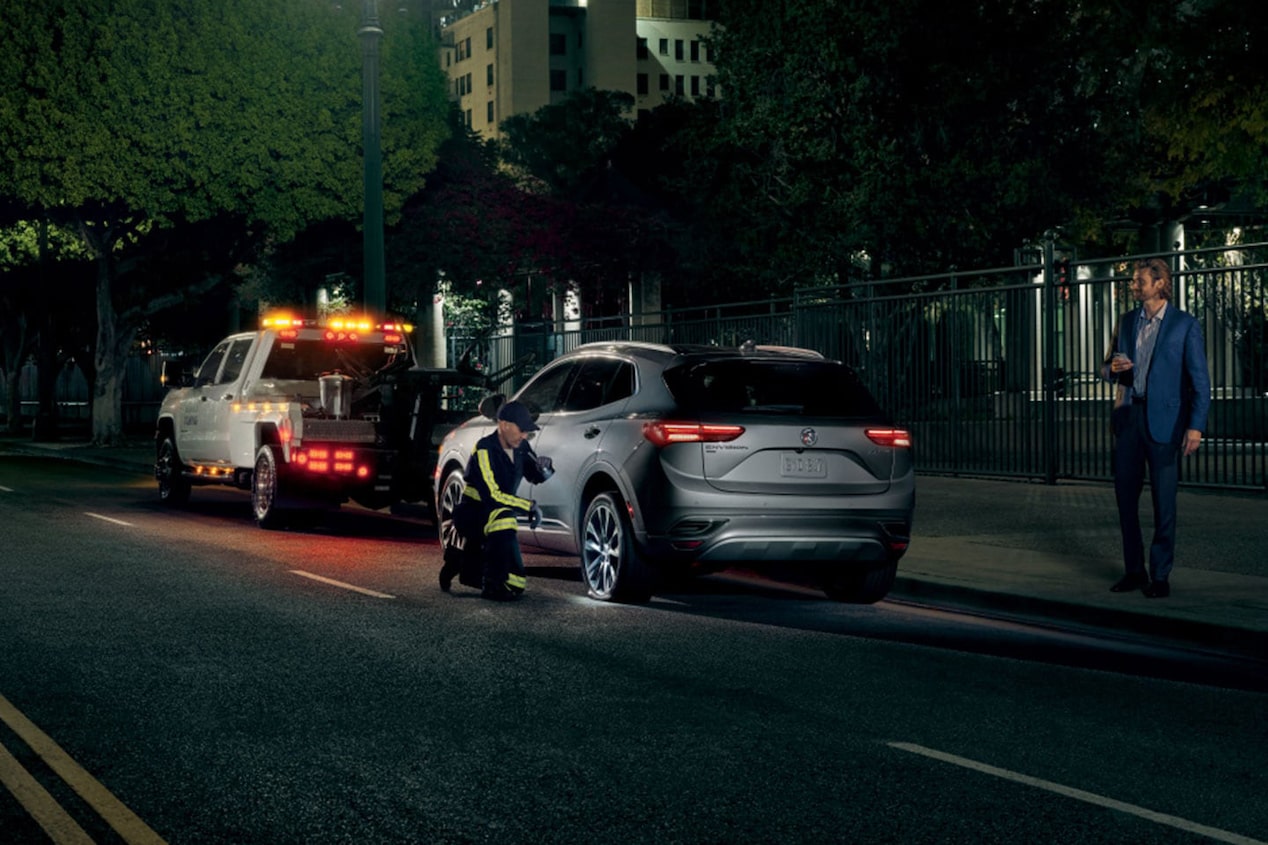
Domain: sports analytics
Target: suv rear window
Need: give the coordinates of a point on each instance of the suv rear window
(749, 386)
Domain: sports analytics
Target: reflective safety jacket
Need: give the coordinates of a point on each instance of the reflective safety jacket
(489, 502)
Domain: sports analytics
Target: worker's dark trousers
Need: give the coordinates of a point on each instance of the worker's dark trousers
(503, 565)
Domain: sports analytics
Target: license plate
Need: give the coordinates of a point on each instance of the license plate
(793, 465)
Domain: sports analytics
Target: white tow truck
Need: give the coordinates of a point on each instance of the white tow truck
(307, 415)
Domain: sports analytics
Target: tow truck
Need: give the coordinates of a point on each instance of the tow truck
(308, 414)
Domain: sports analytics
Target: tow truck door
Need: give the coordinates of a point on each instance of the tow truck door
(194, 418)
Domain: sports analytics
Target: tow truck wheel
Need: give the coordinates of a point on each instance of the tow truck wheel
(172, 485)
(265, 490)
(450, 495)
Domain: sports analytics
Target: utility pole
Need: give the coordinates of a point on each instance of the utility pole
(374, 285)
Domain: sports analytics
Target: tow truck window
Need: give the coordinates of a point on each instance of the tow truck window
(207, 372)
(234, 361)
(305, 360)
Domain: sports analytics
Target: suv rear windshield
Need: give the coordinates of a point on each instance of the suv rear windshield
(803, 388)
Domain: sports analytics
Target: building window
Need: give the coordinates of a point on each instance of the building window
(708, 86)
(467, 116)
(489, 112)
(695, 51)
(664, 46)
(488, 38)
(695, 86)
(559, 80)
(679, 86)
(470, 87)
(488, 74)
(642, 48)
(664, 82)
(642, 84)
(678, 49)
(558, 44)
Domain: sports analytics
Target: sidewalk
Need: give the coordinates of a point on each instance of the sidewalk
(1029, 549)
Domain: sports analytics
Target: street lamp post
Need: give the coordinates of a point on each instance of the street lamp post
(375, 285)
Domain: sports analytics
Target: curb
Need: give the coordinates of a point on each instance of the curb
(1250, 645)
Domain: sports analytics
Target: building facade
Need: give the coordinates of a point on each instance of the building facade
(509, 57)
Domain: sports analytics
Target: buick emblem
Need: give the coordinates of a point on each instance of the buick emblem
(809, 437)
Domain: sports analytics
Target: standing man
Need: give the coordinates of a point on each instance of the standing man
(487, 513)
(1158, 360)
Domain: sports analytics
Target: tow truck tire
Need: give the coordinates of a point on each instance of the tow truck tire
(173, 487)
(266, 489)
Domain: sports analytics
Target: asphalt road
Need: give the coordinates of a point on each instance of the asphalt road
(210, 682)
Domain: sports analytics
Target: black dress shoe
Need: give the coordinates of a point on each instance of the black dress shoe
(1158, 590)
(1130, 581)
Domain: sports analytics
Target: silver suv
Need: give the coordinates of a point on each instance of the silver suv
(675, 458)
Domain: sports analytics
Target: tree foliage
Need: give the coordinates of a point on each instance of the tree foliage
(120, 119)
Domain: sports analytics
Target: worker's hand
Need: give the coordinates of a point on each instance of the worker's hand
(534, 516)
(1192, 440)
(545, 466)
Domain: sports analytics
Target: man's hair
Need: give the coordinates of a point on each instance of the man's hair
(1159, 272)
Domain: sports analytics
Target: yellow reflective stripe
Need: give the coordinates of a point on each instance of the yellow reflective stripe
(499, 521)
(517, 581)
(503, 498)
(472, 494)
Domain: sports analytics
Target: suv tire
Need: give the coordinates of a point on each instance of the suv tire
(611, 566)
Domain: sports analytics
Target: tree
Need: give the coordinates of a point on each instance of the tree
(119, 120)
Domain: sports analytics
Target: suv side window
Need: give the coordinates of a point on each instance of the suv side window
(599, 382)
(542, 394)
(211, 364)
(234, 361)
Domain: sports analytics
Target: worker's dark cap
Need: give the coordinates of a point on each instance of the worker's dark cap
(516, 412)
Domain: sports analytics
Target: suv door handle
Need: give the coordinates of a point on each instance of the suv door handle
(227, 397)
(592, 432)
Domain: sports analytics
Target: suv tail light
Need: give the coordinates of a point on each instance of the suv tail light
(897, 438)
(664, 433)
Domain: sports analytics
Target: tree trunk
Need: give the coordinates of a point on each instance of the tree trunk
(107, 387)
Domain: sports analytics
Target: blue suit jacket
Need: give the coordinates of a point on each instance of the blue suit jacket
(1179, 387)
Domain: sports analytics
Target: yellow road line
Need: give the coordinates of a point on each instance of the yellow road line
(124, 822)
(48, 814)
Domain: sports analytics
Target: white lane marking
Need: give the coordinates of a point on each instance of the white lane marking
(107, 519)
(332, 582)
(4, 489)
(1079, 795)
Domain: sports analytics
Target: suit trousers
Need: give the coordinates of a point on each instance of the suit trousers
(1134, 451)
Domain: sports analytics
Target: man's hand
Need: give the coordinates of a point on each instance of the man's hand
(545, 466)
(534, 516)
(1192, 440)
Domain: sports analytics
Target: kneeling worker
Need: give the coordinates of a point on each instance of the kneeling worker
(489, 506)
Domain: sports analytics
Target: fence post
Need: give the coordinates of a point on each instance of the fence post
(1049, 367)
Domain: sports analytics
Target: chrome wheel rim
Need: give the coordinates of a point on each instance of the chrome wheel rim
(450, 495)
(601, 549)
(264, 487)
(164, 469)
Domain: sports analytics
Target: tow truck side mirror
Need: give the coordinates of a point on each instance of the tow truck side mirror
(174, 374)
(491, 404)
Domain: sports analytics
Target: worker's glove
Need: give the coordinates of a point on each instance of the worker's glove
(534, 516)
(545, 466)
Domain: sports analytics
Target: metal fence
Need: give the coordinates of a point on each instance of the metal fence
(996, 372)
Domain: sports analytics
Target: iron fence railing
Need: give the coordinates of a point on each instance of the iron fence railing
(996, 372)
